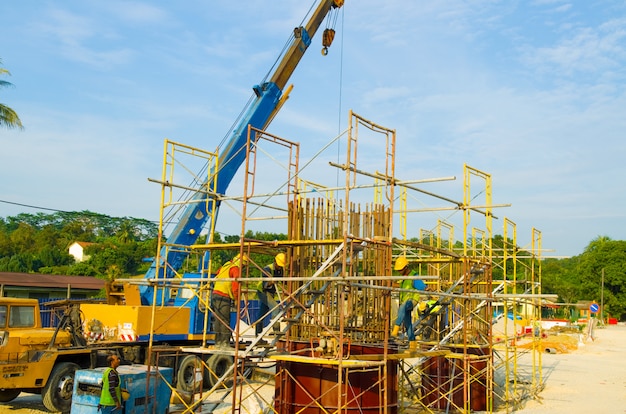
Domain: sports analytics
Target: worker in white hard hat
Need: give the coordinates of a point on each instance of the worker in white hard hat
(225, 292)
(266, 291)
(409, 298)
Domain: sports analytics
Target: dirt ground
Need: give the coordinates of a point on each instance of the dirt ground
(591, 379)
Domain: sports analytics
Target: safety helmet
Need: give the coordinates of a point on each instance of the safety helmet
(280, 259)
(236, 259)
(401, 263)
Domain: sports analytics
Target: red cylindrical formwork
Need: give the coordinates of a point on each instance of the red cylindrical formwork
(310, 388)
(445, 379)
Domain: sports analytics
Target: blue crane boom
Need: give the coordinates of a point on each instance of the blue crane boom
(259, 115)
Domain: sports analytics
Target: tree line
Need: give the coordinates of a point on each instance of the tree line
(124, 247)
(39, 243)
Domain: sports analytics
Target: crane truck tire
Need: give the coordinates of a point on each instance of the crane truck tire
(57, 393)
(8, 394)
(217, 365)
(186, 378)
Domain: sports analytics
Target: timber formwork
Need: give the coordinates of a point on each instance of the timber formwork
(328, 342)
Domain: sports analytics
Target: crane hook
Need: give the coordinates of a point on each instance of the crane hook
(327, 39)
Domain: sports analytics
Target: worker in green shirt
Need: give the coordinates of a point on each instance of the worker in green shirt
(409, 298)
(111, 396)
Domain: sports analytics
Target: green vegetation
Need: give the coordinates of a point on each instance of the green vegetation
(580, 277)
(38, 243)
(8, 117)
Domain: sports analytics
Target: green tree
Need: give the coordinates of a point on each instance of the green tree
(118, 259)
(580, 277)
(561, 276)
(608, 257)
(39, 243)
(20, 263)
(126, 232)
(8, 117)
(79, 230)
(6, 247)
(81, 269)
(52, 257)
(23, 238)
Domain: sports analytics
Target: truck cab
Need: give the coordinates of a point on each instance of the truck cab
(31, 356)
(21, 331)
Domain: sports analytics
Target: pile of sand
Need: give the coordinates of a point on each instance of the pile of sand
(559, 343)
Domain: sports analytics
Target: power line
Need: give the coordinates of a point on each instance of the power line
(35, 207)
(63, 211)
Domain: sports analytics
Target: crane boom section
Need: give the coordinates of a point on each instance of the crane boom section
(259, 115)
(296, 50)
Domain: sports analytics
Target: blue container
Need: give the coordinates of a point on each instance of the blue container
(149, 392)
(248, 312)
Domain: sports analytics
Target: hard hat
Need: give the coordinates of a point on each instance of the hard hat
(401, 263)
(422, 306)
(243, 262)
(280, 259)
(125, 394)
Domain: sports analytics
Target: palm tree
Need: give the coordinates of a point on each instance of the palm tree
(8, 117)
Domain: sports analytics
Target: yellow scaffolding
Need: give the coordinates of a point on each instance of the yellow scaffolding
(337, 297)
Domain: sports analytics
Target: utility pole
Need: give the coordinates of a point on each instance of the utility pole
(602, 298)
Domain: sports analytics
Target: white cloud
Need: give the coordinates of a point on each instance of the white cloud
(587, 50)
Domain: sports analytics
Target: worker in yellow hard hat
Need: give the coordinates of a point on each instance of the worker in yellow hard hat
(433, 322)
(225, 292)
(409, 298)
(266, 291)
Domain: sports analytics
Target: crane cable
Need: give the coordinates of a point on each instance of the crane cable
(340, 97)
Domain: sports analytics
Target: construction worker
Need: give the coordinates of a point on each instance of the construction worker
(111, 396)
(266, 289)
(409, 298)
(429, 310)
(223, 295)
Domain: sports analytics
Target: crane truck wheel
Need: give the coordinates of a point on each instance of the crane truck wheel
(186, 379)
(57, 393)
(217, 365)
(8, 394)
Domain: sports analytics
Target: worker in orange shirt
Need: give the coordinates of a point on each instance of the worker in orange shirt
(224, 293)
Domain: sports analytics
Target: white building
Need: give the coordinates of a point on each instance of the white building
(77, 249)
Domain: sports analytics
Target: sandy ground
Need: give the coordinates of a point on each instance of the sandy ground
(591, 379)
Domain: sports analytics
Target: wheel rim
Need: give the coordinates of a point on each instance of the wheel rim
(189, 375)
(66, 387)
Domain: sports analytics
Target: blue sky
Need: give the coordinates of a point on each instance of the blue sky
(531, 92)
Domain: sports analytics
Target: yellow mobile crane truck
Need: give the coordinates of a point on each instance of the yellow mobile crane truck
(42, 360)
